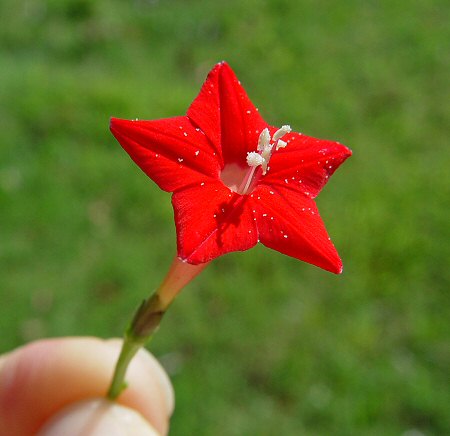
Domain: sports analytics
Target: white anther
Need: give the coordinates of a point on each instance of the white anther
(281, 132)
(264, 139)
(280, 144)
(266, 152)
(254, 159)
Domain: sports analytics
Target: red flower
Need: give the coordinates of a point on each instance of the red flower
(235, 179)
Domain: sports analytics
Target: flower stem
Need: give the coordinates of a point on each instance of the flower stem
(118, 384)
(147, 318)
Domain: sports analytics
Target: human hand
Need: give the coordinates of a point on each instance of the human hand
(57, 387)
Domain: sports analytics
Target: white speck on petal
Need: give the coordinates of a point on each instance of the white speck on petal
(180, 159)
(185, 134)
(271, 192)
(197, 152)
(285, 236)
(202, 184)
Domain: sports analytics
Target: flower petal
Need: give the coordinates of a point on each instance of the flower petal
(306, 164)
(290, 223)
(211, 220)
(171, 151)
(224, 112)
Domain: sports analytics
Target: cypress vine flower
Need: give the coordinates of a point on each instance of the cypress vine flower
(236, 181)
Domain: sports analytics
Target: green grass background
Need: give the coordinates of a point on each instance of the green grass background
(259, 344)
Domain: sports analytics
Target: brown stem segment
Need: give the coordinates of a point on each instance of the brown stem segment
(148, 317)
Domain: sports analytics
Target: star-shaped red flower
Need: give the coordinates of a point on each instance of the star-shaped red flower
(229, 192)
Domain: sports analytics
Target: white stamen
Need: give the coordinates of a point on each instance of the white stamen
(264, 139)
(266, 152)
(281, 132)
(254, 159)
(280, 144)
(263, 154)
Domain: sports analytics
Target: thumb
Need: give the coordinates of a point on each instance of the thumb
(44, 377)
(97, 417)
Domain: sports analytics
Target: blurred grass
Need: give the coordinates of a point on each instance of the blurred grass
(259, 344)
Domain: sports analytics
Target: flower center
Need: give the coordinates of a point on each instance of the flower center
(240, 179)
(232, 175)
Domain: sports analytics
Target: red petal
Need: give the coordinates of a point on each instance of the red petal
(305, 164)
(211, 220)
(172, 152)
(290, 223)
(226, 115)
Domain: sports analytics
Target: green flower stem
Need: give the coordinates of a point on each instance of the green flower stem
(118, 384)
(145, 322)
(147, 318)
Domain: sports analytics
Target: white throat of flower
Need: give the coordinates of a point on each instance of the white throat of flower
(263, 154)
